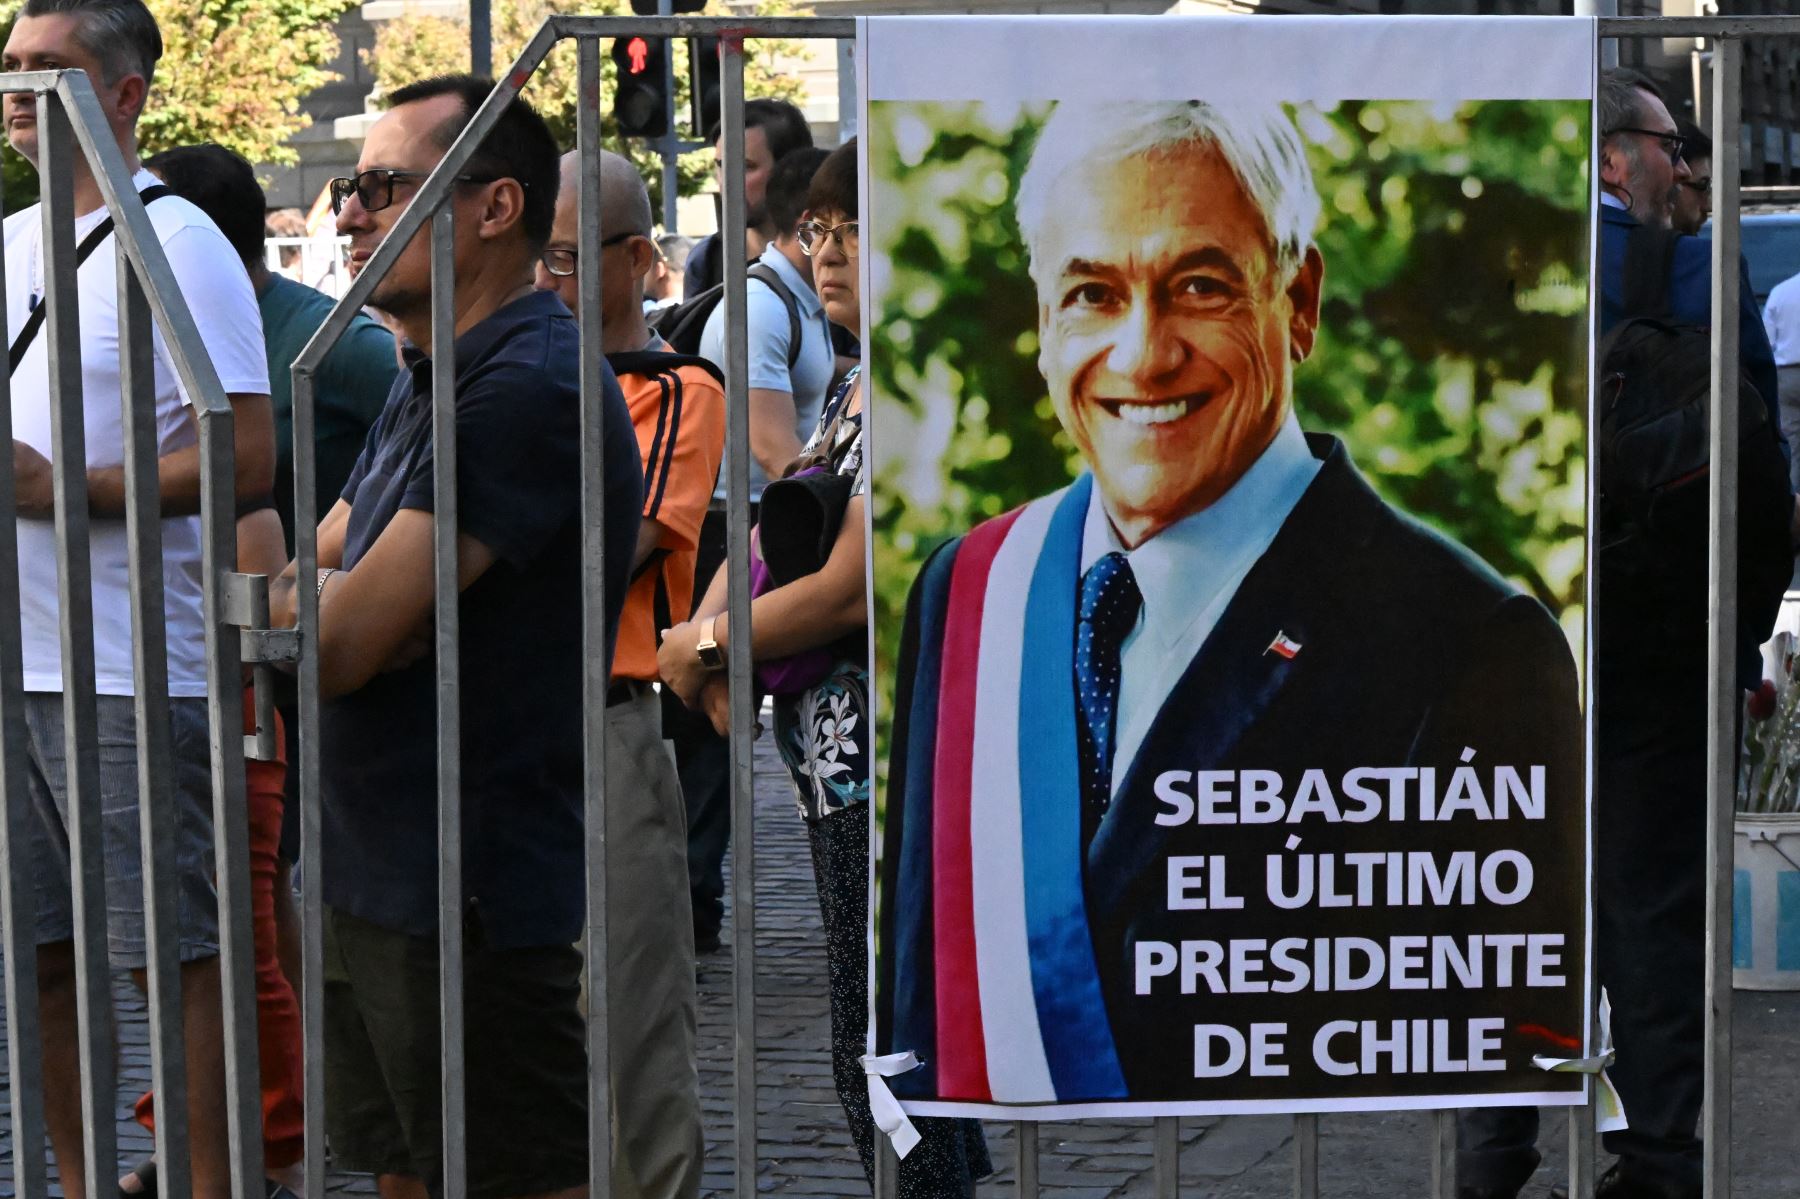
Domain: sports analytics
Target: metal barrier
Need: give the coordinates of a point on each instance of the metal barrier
(68, 110)
(323, 261)
(70, 123)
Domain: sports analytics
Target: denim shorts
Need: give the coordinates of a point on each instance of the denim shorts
(190, 790)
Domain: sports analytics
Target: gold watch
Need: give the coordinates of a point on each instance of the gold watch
(710, 655)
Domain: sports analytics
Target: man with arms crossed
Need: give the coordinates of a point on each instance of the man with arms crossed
(519, 566)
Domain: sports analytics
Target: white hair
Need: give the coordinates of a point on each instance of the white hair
(1257, 141)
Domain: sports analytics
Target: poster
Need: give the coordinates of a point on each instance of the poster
(1229, 486)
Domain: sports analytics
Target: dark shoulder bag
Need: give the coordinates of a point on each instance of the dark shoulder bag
(28, 333)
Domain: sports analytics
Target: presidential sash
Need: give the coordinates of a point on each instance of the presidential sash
(1018, 1011)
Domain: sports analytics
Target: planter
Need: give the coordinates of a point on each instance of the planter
(1765, 920)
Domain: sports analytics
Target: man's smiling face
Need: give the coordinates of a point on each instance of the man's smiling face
(1167, 330)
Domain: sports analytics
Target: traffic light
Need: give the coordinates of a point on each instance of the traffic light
(703, 84)
(641, 103)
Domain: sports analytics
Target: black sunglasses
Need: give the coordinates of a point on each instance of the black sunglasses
(1671, 142)
(374, 189)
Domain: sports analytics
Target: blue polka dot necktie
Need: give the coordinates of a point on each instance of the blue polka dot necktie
(1110, 601)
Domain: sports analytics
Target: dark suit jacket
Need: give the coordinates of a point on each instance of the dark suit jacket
(1690, 300)
(1412, 650)
(1629, 674)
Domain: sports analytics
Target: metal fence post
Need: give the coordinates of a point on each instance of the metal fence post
(1167, 1136)
(595, 677)
(1443, 1155)
(306, 700)
(62, 335)
(743, 713)
(157, 817)
(1306, 1156)
(1722, 699)
(1025, 1141)
(1581, 1146)
(449, 698)
(18, 906)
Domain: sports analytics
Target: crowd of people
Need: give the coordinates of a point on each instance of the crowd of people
(517, 371)
(518, 487)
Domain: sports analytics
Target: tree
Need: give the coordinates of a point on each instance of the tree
(232, 72)
(409, 48)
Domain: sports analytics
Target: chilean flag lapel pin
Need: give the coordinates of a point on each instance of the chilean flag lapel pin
(1283, 645)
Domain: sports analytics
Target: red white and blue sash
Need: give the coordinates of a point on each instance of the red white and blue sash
(1020, 1016)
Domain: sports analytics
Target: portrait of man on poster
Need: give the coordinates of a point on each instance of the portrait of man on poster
(1218, 593)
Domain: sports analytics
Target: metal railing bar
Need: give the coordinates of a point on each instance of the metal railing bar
(886, 1184)
(231, 814)
(87, 874)
(157, 818)
(193, 366)
(430, 197)
(1722, 694)
(449, 700)
(1443, 1155)
(18, 900)
(36, 82)
(743, 715)
(1306, 1156)
(596, 676)
(1166, 1136)
(312, 901)
(1717, 28)
(1025, 1141)
(730, 28)
(1581, 1146)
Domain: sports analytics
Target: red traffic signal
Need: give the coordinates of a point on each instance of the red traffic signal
(641, 96)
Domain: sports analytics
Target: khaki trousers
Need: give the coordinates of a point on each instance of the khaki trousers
(658, 1146)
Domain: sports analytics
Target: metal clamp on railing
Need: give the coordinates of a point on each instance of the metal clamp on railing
(246, 605)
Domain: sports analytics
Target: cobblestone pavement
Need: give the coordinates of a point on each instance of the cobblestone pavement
(804, 1148)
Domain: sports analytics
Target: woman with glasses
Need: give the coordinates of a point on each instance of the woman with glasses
(809, 639)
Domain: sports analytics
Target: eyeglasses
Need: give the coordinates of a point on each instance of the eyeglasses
(812, 237)
(1671, 142)
(560, 260)
(1701, 187)
(374, 189)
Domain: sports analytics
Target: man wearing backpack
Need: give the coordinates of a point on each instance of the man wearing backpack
(678, 411)
(791, 367)
(773, 129)
(1650, 659)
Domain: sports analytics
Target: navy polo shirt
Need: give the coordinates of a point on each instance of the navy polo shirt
(518, 493)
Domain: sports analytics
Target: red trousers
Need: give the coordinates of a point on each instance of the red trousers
(277, 1010)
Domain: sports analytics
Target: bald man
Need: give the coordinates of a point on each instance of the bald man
(678, 410)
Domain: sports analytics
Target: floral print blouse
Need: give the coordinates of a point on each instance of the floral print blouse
(823, 733)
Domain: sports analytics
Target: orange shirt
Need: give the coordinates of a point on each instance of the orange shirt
(679, 415)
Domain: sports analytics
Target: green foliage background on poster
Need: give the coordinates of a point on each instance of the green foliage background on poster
(1452, 358)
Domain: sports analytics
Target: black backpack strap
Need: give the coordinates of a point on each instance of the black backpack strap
(650, 362)
(772, 281)
(1649, 261)
(35, 321)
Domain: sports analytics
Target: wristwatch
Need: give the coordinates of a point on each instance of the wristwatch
(708, 651)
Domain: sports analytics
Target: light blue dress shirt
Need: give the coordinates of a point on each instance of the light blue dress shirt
(1188, 574)
(770, 337)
